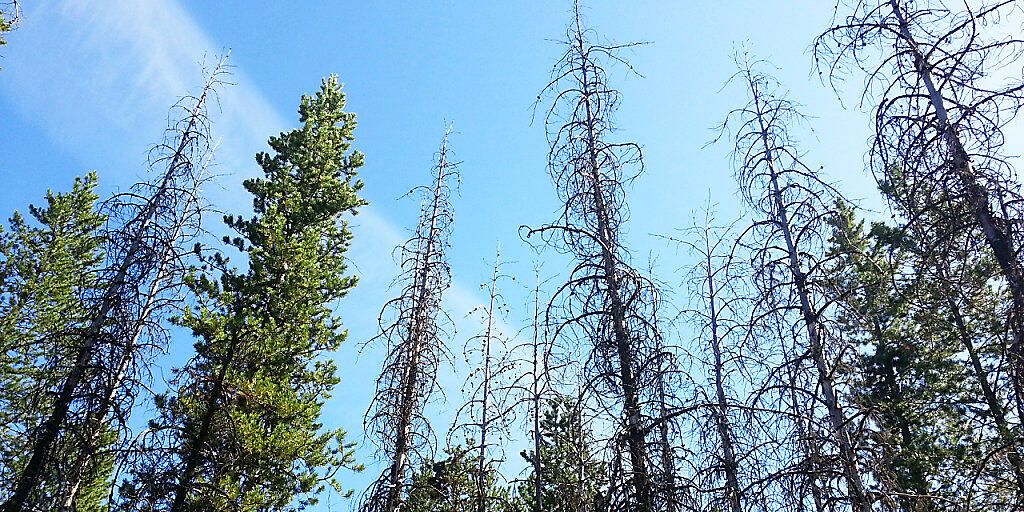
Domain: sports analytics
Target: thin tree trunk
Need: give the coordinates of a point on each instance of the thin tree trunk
(634, 431)
(112, 295)
(992, 400)
(411, 373)
(96, 419)
(668, 466)
(721, 408)
(481, 486)
(192, 459)
(537, 466)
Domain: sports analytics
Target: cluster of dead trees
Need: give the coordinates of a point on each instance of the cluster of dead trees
(835, 363)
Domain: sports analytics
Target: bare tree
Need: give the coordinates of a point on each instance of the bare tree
(488, 413)
(665, 408)
(605, 303)
(539, 384)
(148, 229)
(945, 81)
(412, 328)
(717, 297)
(791, 204)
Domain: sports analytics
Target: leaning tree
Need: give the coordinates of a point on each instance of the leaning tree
(945, 80)
(147, 230)
(790, 204)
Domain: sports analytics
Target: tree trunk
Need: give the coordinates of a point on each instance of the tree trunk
(859, 498)
(634, 432)
(721, 408)
(994, 228)
(411, 372)
(50, 429)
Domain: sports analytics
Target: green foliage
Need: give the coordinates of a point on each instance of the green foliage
(449, 485)
(264, 335)
(911, 377)
(572, 476)
(49, 270)
(9, 12)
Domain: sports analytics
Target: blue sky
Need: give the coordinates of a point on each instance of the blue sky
(86, 86)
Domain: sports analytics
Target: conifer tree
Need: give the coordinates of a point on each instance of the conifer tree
(790, 203)
(412, 325)
(144, 264)
(717, 302)
(486, 417)
(453, 485)
(936, 418)
(50, 267)
(242, 431)
(572, 477)
(606, 305)
(945, 79)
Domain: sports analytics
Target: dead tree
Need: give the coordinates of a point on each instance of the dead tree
(539, 370)
(605, 303)
(538, 367)
(790, 203)
(489, 411)
(539, 384)
(716, 302)
(934, 69)
(665, 409)
(148, 229)
(414, 333)
(804, 441)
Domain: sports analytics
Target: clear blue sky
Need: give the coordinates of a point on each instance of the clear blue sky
(86, 86)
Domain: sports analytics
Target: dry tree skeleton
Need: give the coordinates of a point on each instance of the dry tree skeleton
(540, 373)
(488, 413)
(665, 409)
(717, 302)
(606, 303)
(539, 386)
(791, 204)
(412, 326)
(146, 263)
(942, 77)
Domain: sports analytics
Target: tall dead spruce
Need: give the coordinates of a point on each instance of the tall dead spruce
(148, 229)
(606, 305)
(791, 204)
(936, 71)
(412, 327)
(537, 388)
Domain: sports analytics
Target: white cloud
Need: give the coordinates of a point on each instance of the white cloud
(98, 78)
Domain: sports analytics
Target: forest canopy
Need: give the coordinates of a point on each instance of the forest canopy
(165, 346)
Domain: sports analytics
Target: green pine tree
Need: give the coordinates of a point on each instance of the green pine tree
(572, 477)
(450, 485)
(48, 272)
(246, 416)
(911, 377)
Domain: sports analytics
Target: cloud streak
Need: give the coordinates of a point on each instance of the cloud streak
(98, 81)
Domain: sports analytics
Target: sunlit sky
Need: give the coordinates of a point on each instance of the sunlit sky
(86, 86)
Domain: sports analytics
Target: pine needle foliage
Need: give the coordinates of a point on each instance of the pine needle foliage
(244, 423)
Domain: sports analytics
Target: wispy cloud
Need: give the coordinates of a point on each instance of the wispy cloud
(98, 80)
